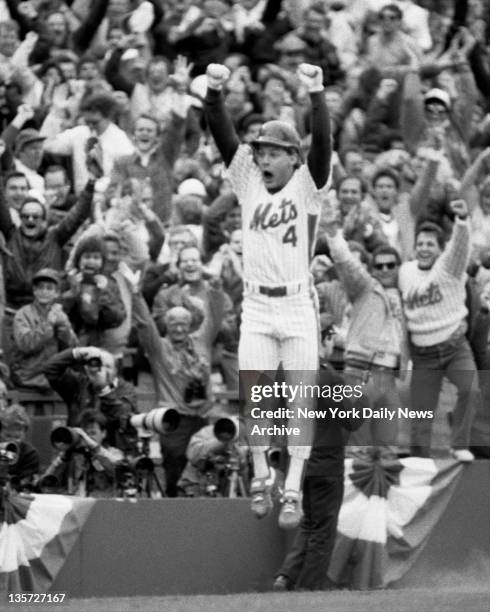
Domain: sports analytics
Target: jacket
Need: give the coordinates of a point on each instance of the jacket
(35, 341)
(78, 392)
(368, 339)
(174, 370)
(92, 310)
(45, 252)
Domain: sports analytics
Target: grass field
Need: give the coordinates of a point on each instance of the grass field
(409, 600)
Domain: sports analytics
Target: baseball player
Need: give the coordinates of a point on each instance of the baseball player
(280, 197)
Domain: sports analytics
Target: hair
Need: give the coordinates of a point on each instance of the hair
(186, 248)
(431, 228)
(112, 237)
(149, 118)
(57, 168)
(30, 200)
(349, 149)
(91, 244)
(172, 311)
(187, 209)
(391, 7)
(349, 177)
(102, 103)
(90, 416)
(48, 64)
(182, 229)
(386, 173)
(87, 58)
(386, 249)
(159, 59)
(15, 174)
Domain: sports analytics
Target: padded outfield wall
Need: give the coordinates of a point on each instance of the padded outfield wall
(191, 546)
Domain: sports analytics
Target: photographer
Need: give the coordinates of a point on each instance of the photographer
(213, 454)
(181, 378)
(14, 424)
(87, 378)
(86, 464)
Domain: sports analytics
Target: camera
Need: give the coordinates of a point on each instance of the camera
(93, 362)
(65, 435)
(226, 429)
(9, 452)
(158, 420)
(195, 390)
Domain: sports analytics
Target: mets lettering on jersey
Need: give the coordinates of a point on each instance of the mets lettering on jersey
(279, 228)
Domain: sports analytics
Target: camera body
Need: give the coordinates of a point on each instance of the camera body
(195, 390)
(9, 453)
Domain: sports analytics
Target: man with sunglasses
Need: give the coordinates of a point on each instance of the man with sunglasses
(34, 246)
(376, 346)
(390, 50)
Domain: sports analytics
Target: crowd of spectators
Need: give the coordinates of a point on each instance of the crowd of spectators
(119, 229)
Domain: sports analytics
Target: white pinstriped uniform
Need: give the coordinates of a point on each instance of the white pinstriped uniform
(278, 232)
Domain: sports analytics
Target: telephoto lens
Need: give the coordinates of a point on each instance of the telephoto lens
(66, 436)
(158, 420)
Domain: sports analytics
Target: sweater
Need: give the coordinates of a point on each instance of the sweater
(434, 300)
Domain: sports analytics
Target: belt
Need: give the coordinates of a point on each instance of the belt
(277, 290)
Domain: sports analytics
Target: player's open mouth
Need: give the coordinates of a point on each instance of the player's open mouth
(267, 175)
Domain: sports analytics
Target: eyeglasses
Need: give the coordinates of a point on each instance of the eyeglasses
(26, 217)
(390, 265)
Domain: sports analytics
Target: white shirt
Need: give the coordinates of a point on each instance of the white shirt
(113, 141)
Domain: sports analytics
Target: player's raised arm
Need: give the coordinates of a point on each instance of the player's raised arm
(219, 121)
(321, 145)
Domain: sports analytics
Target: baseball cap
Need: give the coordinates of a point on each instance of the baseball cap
(26, 136)
(192, 186)
(278, 134)
(46, 274)
(438, 95)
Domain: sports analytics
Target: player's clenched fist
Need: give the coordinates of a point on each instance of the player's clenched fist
(311, 76)
(217, 75)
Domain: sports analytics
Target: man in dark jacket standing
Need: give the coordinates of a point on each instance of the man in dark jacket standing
(306, 565)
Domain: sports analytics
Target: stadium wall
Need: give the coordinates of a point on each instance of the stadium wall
(191, 546)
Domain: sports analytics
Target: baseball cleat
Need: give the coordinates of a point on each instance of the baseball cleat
(291, 512)
(260, 492)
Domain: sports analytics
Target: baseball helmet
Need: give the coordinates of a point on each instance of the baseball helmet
(279, 134)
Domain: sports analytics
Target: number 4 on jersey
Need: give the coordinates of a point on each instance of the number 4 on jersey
(290, 236)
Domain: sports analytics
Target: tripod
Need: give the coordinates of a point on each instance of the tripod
(235, 482)
(147, 481)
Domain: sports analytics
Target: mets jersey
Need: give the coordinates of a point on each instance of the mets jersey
(278, 228)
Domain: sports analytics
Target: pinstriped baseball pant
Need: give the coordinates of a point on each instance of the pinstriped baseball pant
(283, 330)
